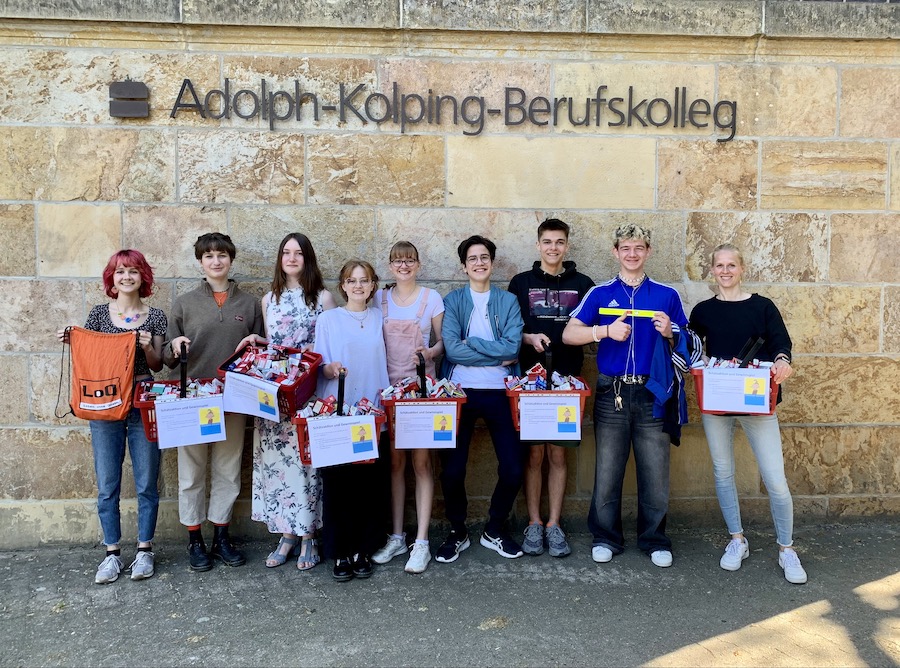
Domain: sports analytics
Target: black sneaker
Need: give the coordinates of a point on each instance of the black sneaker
(343, 570)
(502, 544)
(361, 565)
(456, 542)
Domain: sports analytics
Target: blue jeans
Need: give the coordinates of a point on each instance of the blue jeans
(616, 433)
(493, 407)
(765, 439)
(108, 442)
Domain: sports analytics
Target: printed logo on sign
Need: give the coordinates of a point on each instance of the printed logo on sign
(99, 395)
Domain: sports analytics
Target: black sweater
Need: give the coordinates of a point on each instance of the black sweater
(546, 302)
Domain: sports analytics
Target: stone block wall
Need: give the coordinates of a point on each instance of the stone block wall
(809, 186)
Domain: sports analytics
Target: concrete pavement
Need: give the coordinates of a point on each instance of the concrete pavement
(482, 610)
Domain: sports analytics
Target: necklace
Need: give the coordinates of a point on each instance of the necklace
(405, 300)
(632, 281)
(359, 320)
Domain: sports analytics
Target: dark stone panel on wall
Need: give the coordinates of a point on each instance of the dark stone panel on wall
(864, 20)
(150, 11)
(300, 13)
(567, 16)
(741, 18)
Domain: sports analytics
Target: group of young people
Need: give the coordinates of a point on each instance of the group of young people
(481, 334)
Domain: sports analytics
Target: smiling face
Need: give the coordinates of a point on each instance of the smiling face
(632, 254)
(478, 266)
(215, 264)
(292, 259)
(127, 280)
(553, 246)
(727, 269)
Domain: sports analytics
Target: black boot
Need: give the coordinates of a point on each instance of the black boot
(223, 550)
(199, 560)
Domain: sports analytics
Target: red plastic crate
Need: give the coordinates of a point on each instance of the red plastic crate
(148, 408)
(698, 384)
(515, 394)
(390, 403)
(290, 396)
(303, 439)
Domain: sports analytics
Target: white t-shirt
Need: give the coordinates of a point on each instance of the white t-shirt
(434, 307)
(480, 377)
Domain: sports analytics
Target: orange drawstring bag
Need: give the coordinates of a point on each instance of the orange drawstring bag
(102, 373)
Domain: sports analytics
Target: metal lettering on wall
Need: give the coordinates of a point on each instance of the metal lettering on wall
(409, 110)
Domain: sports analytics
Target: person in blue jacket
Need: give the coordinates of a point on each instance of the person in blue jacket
(482, 331)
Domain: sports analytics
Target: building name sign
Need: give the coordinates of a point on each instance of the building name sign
(411, 110)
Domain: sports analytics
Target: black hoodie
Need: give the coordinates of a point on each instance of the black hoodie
(546, 302)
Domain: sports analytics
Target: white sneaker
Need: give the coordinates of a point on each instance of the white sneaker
(661, 558)
(790, 564)
(391, 549)
(142, 566)
(601, 554)
(735, 553)
(109, 570)
(418, 560)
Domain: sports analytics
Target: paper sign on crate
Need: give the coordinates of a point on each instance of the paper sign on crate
(428, 424)
(341, 440)
(736, 390)
(251, 396)
(550, 416)
(190, 421)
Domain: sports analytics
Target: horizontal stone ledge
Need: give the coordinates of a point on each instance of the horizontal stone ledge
(867, 19)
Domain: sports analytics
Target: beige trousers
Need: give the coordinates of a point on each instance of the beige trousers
(224, 460)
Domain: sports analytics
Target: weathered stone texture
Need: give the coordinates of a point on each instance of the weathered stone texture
(26, 452)
(57, 163)
(166, 235)
(563, 172)
(842, 460)
(241, 166)
(320, 76)
(892, 319)
(77, 239)
(842, 390)
(829, 319)
(868, 102)
(258, 232)
(14, 377)
(877, 234)
(707, 174)
(376, 169)
(784, 100)
(462, 80)
(675, 17)
(832, 175)
(300, 13)
(581, 80)
(850, 20)
(72, 86)
(17, 252)
(32, 311)
(770, 244)
(504, 15)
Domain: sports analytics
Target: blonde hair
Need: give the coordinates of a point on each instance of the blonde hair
(731, 248)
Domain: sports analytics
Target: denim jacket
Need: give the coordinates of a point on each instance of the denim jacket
(506, 324)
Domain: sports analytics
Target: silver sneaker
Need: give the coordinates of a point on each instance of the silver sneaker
(391, 549)
(109, 570)
(418, 559)
(534, 540)
(557, 545)
(142, 566)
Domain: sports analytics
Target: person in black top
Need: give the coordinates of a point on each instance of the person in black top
(547, 294)
(726, 322)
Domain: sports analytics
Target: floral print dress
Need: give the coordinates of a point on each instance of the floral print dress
(287, 495)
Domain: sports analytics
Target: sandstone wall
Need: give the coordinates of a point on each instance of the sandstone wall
(809, 186)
